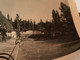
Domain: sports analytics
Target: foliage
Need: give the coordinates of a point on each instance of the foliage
(4, 23)
(62, 23)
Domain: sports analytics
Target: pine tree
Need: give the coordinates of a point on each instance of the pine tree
(56, 22)
(34, 25)
(66, 14)
(17, 19)
(17, 25)
(28, 24)
(8, 17)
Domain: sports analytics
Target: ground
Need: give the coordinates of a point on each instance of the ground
(45, 50)
(7, 47)
(31, 49)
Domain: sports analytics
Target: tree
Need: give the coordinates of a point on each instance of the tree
(8, 17)
(17, 22)
(28, 23)
(48, 27)
(45, 27)
(67, 17)
(34, 25)
(40, 26)
(17, 25)
(5, 26)
(5, 23)
(56, 22)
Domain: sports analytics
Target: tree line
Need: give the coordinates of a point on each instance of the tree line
(61, 24)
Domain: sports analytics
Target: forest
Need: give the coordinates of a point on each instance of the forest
(61, 25)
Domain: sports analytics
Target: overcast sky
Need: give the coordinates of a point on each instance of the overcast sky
(30, 9)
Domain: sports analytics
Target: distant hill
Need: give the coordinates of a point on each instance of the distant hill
(4, 23)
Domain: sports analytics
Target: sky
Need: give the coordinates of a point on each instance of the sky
(30, 9)
(78, 4)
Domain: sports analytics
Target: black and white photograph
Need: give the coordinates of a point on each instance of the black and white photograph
(39, 29)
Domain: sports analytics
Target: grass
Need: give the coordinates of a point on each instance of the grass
(41, 36)
(46, 37)
(46, 47)
(46, 50)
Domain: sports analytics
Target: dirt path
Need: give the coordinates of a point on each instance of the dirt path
(40, 50)
(6, 47)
